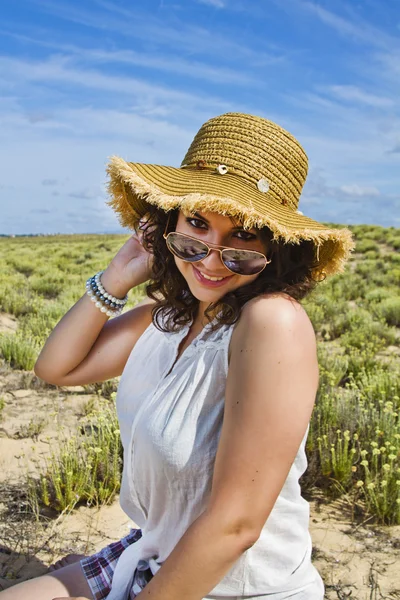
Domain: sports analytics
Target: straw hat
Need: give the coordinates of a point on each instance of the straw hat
(238, 165)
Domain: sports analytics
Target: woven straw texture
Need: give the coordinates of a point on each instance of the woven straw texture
(251, 149)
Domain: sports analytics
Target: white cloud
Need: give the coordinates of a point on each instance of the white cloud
(357, 135)
(389, 65)
(87, 194)
(176, 36)
(357, 30)
(160, 62)
(65, 114)
(353, 93)
(348, 203)
(215, 3)
(192, 68)
(146, 96)
(359, 191)
(76, 154)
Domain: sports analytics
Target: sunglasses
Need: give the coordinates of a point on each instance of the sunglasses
(238, 261)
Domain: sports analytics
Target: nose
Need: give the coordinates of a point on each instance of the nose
(213, 262)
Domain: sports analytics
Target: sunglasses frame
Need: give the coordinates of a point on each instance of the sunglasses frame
(210, 247)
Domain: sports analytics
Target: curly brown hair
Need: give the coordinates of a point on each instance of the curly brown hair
(290, 272)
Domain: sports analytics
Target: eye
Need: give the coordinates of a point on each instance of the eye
(196, 223)
(246, 236)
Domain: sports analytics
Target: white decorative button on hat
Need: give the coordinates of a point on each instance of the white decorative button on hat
(263, 185)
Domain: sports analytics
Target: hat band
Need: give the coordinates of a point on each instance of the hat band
(202, 165)
(262, 184)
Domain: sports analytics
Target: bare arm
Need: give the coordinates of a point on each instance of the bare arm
(84, 347)
(270, 392)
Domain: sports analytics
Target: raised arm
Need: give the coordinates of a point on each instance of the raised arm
(85, 347)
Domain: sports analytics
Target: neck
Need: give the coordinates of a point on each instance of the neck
(200, 317)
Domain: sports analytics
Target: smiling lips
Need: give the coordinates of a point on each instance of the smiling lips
(210, 277)
(210, 281)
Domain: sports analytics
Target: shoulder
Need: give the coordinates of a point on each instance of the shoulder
(276, 319)
(274, 311)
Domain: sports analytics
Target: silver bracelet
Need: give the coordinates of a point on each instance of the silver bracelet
(107, 303)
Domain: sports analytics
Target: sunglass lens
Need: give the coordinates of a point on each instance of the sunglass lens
(186, 248)
(243, 262)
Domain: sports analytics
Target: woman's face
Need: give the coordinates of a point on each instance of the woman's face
(222, 231)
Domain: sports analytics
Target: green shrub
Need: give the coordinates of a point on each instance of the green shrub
(40, 325)
(316, 314)
(377, 294)
(362, 359)
(49, 286)
(374, 272)
(394, 241)
(351, 320)
(379, 234)
(333, 365)
(394, 276)
(365, 231)
(393, 257)
(353, 443)
(389, 310)
(24, 267)
(86, 468)
(378, 386)
(351, 287)
(365, 245)
(107, 389)
(19, 351)
(371, 254)
(18, 301)
(33, 429)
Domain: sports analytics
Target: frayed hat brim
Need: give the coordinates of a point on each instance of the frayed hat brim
(132, 186)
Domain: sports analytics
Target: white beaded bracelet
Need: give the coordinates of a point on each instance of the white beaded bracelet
(107, 303)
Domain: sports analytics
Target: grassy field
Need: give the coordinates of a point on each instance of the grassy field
(354, 442)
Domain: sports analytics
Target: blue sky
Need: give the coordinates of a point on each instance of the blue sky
(83, 80)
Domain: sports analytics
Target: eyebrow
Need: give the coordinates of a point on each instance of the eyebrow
(198, 215)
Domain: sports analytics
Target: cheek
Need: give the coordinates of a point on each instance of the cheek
(181, 265)
(185, 269)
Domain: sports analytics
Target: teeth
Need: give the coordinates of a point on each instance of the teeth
(212, 278)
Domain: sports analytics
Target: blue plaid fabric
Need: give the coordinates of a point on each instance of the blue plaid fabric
(99, 568)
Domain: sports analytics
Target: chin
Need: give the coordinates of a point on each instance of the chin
(206, 297)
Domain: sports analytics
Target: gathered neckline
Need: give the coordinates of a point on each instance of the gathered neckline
(185, 328)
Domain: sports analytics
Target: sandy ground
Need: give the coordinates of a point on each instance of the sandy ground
(357, 560)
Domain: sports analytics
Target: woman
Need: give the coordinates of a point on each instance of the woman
(219, 372)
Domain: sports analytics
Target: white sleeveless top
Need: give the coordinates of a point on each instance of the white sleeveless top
(170, 425)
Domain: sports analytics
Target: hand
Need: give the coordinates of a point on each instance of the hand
(131, 266)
